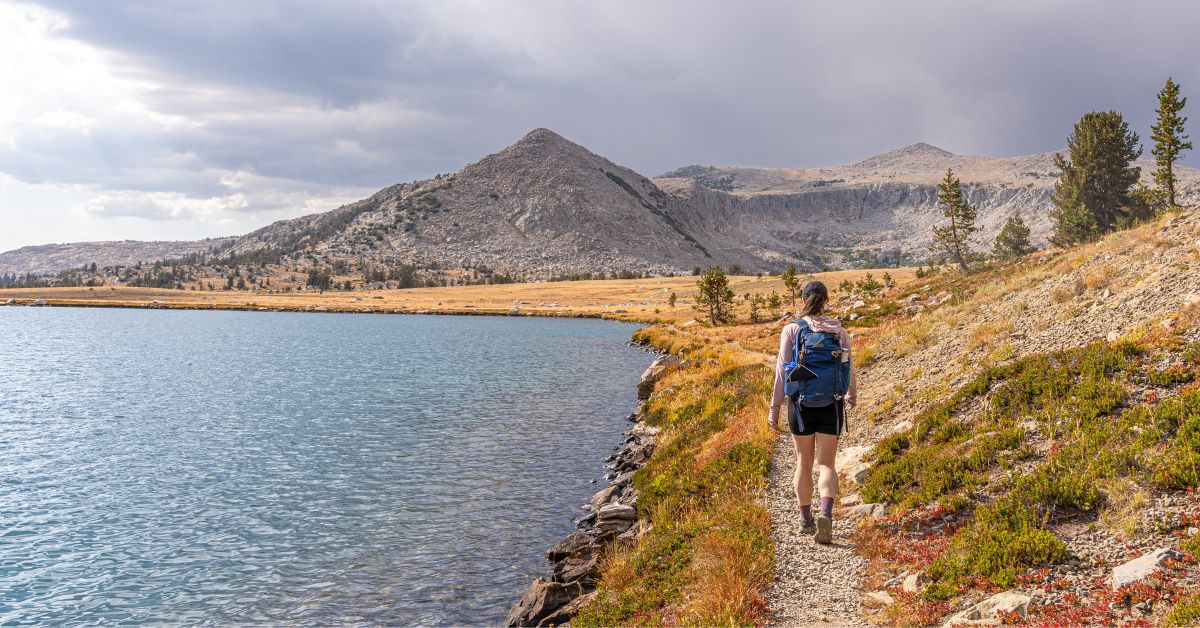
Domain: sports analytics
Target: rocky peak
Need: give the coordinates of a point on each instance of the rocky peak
(917, 157)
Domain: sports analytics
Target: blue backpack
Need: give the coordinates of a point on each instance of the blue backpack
(817, 376)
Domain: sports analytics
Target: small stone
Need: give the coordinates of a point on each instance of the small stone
(1191, 299)
(881, 597)
(541, 600)
(902, 426)
(1141, 567)
(859, 303)
(913, 583)
(987, 612)
(1113, 335)
(851, 499)
(876, 511)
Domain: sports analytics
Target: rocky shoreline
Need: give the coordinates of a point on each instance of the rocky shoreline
(613, 519)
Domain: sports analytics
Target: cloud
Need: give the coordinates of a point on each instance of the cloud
(273, 108)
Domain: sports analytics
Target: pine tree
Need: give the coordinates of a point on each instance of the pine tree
(791, 282)
(1013, 240)
(671, 299)
(714, 295)
(1169, 139)
(755, 312)
(953, 238)
(1096, 179)
(1073, 221)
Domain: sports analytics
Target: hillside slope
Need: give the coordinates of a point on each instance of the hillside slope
(1030, 429)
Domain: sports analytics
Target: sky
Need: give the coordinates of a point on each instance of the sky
(161, 120)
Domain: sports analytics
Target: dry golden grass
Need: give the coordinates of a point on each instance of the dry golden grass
(643, 300)
(1062, 294)
(1100, 277)
(1124, 503)
(986, 333)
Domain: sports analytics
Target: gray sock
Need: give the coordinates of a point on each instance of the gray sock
(806, 513)
(827, 507)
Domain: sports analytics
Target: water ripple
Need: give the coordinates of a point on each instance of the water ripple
(217, 467)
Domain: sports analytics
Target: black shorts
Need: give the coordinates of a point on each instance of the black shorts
(823, 420)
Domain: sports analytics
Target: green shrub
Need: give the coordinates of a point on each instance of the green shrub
(1186, 612)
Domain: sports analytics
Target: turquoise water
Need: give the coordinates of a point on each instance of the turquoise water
(253, 467)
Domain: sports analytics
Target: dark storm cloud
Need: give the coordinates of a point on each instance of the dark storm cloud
(366, 94)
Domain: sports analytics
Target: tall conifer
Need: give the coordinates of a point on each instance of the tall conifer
(953, 238)
(1169, 139)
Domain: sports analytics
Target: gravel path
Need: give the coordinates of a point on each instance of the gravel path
(814, 584)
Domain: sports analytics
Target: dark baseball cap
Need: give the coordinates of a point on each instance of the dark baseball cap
(814, 287)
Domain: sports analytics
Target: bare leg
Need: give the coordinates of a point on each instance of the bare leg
(802, 482)
(826, 454)
(827, 485)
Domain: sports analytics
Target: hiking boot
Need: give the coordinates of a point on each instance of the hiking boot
(808, 526)
(824, 530)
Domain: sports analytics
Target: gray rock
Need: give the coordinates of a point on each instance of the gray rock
(615, 518)
(541, 600)
(987, 612)
(606, 495)
(623, 479)
(851, 462)
(574, 543)
(652, 374)
(913, 583)
(564, 614)
(38, 303)
(875, 511)
(580, 568)
(880, 597)
(1141, 567)
(636, 531)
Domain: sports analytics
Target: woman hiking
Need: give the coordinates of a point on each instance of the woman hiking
(814, 426)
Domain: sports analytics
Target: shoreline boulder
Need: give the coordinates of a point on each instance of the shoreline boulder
(652, 373)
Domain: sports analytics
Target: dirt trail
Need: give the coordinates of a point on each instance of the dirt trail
(814, 584)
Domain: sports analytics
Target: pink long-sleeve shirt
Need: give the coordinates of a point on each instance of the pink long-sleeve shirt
(787, 341)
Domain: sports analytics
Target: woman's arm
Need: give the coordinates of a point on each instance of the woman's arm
(852, 393)
(787, 338)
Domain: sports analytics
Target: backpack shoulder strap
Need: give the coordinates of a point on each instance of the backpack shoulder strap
(804, 329)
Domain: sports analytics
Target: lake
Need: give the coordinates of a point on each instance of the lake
(164, 466)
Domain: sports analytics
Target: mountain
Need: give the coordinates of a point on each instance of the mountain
(48, 259)
(870, 212)
(543, 206)
(546, 207)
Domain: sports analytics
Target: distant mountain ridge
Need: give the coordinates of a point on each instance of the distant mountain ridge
(44, 259)
(546, 207)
